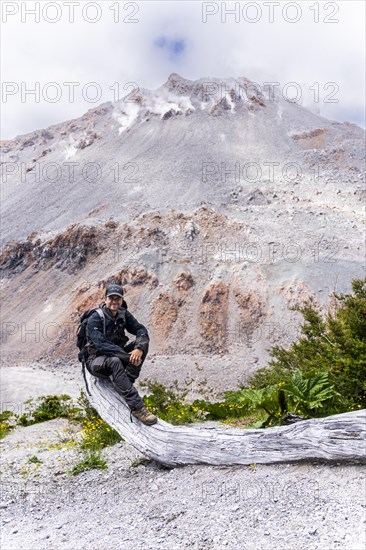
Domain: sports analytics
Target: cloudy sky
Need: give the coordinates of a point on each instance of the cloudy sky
(77, 55)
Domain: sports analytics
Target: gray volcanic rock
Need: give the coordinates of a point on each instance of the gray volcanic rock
(186, 143)
(218, 206)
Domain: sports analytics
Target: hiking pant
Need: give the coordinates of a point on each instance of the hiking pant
(123, 375)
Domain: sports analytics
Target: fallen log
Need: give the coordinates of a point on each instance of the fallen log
(335, 438)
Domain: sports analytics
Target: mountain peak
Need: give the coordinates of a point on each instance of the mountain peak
(178, 84)
(214, 90)
(176, 77)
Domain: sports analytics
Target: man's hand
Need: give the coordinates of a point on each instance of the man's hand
(135, 357)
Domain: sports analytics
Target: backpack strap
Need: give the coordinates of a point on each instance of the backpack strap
(102, 316)
(83, 365)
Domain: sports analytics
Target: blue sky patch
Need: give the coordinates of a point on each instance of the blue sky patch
(174, 47)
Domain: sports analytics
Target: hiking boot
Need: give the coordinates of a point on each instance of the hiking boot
(145, 416)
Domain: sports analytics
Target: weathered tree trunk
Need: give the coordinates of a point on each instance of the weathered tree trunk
(338, 437)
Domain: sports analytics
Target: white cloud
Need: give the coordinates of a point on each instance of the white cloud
(113, 54)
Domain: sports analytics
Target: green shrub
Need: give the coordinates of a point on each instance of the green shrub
(91, 459)
(34, 460)
(97, 434)
(88, 411)
(168, 404)
(221, 410)
(47, 408)
(302, 394)
(6, 423)
(308, 394)
(334, 343)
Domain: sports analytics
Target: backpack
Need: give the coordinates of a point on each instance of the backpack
(81, 339)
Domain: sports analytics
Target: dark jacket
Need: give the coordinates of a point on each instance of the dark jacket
(111, 343)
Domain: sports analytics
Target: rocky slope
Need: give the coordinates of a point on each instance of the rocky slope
(218, 206)
(173, 147)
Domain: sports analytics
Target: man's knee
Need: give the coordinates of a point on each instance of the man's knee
(116, 366)
(97, 367)
(114, 362)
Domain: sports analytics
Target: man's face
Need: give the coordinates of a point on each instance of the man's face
(113, 302)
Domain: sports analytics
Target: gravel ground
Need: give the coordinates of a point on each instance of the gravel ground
(23, 381)
(298, 506)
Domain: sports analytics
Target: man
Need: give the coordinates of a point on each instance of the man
(110, 356)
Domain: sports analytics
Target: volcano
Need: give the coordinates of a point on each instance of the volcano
(219, 204)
